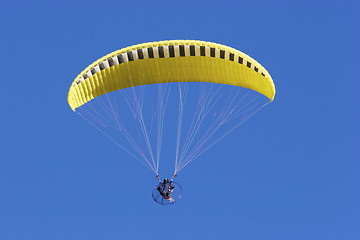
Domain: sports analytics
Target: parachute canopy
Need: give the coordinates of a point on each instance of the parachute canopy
(166, 62)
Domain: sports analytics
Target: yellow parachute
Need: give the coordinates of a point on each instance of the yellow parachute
(228, 87)
(166, 62)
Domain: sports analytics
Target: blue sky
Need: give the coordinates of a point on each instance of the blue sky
(289, 172)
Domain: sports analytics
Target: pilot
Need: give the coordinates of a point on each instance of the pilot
(165, 189)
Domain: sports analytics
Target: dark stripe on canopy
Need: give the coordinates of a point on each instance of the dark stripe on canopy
(171, 51)
(161, 51)
(151, 52)
(182, 50)
(192, 50)
(212, 52)
(130, 56)
(140, 54)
